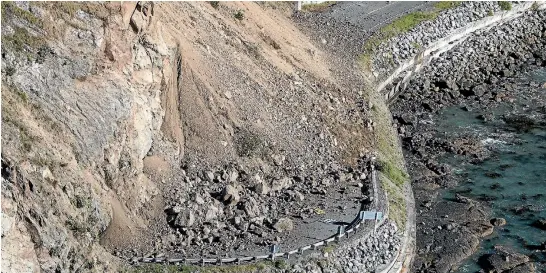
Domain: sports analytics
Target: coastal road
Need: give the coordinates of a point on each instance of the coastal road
(371, 15)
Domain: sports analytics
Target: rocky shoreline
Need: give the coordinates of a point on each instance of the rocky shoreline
(480, 73)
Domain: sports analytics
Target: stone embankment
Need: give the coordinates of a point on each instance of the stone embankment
(407, 45)
(395, 68)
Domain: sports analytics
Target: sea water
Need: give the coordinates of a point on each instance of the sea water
(512, 182)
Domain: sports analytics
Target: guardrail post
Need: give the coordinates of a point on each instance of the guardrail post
(300, 251)
(287, 254)
(202, 262)
(238, 261)
(340, 231)
(219, 261)
(273, 249)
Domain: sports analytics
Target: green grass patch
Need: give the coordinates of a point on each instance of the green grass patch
(505, 5)
(328, 249)
(10, 8)
(443, 5)
(395, 174)
(408, 22)
(281, 264)
(397, 203)
(319, 7)
(390, 159)
(385, 135)
(21, 38)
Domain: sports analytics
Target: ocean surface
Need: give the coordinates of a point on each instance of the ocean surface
(512, 182)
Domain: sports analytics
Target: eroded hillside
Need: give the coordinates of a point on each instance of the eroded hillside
(167, 127)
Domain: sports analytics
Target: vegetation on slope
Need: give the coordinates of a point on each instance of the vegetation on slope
(399, 26)
(319, 7)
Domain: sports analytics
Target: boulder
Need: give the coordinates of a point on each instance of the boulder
(209, 176)
(280, 184)
(260, 186)
(478, 90)
(230, 195)
(184, 219)
(251, 207)
(212, 213)
(174, 210)
(284, 224)
(498, 222)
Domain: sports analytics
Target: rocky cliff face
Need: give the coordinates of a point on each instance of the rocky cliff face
(103, 103)
(81, 91)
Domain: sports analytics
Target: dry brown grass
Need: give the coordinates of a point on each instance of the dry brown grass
(320, 7)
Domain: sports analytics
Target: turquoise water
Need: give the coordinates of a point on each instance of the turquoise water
(512, 181)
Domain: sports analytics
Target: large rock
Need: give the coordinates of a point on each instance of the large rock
(212, 213)
(284, 224)
(498, 222)
(251, 207)
(230, 195)
(260, 186)
(184, 219)
(280, 184)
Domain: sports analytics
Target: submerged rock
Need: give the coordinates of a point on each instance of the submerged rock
(503, 259)
(498, 222)
(541, 223)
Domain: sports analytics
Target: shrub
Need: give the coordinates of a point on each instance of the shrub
(10, 71)
(239, 15)
(505, 5)
(280, 264)
(214, 4)
(490, 13)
